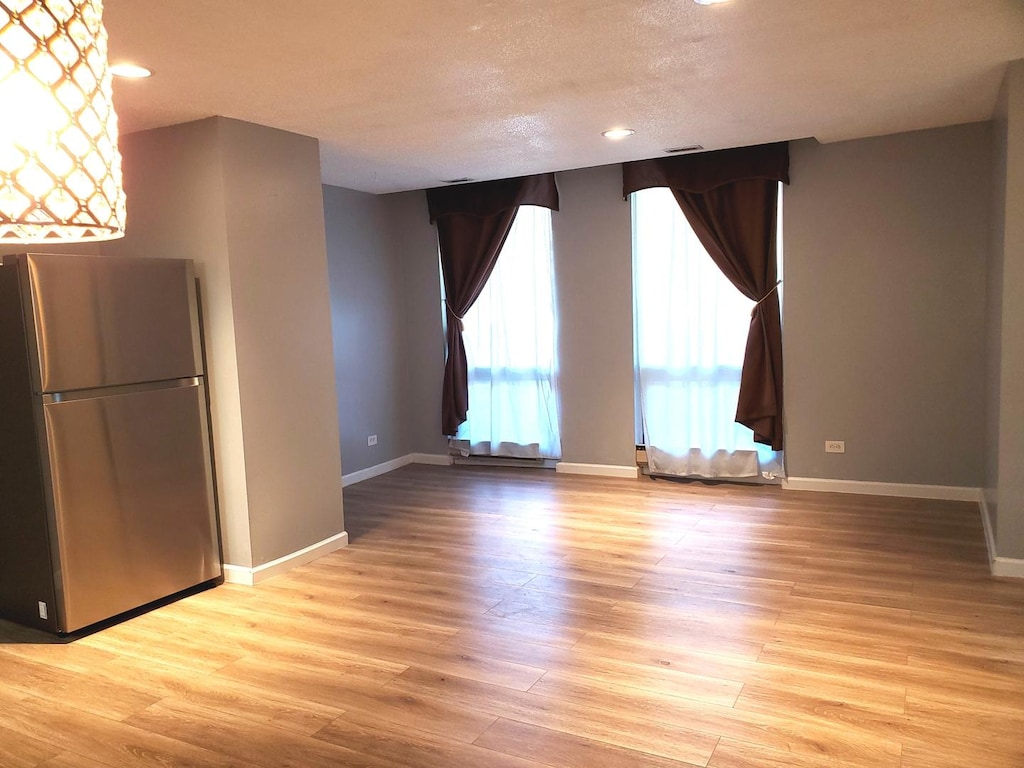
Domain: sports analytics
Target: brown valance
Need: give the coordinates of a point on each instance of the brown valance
(489, 198)
(708, 170)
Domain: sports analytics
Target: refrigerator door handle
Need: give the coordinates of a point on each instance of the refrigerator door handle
(127, 389)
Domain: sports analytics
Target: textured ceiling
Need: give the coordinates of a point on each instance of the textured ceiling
(405, 93)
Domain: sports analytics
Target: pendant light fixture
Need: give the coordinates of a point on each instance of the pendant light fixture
(60, 168)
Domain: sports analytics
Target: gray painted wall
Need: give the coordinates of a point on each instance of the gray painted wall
(245, 203)
(368, 315)
(421, 287)
(386, 309)
(994, 308)
(594, 283)
(281, 304)
(885, 265)
(885, 258)
(1010, 520)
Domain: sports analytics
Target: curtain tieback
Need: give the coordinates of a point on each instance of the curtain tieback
(451, 312)
(770, 292)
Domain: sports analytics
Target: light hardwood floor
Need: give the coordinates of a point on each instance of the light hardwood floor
(510, 618)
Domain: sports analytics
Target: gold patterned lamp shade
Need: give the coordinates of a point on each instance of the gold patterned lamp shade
(60, 169)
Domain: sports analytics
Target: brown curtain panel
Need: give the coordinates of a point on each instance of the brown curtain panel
(730, 199)
(473, 221)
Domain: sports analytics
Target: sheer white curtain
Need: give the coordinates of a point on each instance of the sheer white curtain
(509, 335)
(691, 330)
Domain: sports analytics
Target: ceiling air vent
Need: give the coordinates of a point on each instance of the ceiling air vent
(463, 180)
(677, 150)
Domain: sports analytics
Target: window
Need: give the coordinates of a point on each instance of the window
(509, 334)
(691, 328)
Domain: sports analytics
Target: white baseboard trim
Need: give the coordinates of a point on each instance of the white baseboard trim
(1008, 567)
(239, 574)
(867, 488)
(377, 469)
(389, 466)
(986, 522)
(599, 470)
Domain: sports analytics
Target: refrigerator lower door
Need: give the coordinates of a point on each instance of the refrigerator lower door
(132, 498)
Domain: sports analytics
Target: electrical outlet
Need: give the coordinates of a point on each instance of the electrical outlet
(371, 440)
(835, 446)
(43, 613)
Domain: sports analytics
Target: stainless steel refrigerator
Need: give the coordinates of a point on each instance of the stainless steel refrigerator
(106, 488)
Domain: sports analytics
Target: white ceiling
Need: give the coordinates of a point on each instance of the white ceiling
(405, 93)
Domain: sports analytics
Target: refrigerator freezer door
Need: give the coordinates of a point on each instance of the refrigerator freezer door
(105, 321)
(133, 499)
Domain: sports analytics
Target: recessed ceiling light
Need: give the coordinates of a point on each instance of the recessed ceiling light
(709, 2)
(617, 133)
(131, 71)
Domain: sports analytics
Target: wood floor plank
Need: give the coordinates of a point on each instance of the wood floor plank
(93, 693)
(728, 587)
(108, 742)
(768, 685)
(888, 594)
(558, 635)
(19, 750)
(666, 651)
(997, 727)
(936, 662)
(35, 646)
(70, 760)
(634, 727)
(404, 746)
(326, 682)
(945, 754)
(784, 731)
(557, 749)
(263, 705)
(221, 732)
(420, 710)
(529, 650)
(738, 754)
(805, 702)
(517, 619)
(176, 647)
(660, 679)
